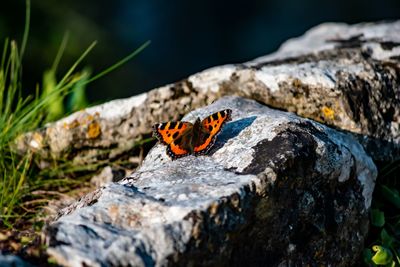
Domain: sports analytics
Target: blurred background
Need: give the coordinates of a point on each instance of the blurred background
(186, 36)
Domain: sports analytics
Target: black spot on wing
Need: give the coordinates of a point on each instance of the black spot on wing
(178, 141)
(172, 124)
(215, 116)
(175, 135)
(180, 125)
(162, 126)
(210, 128)
(222, 112)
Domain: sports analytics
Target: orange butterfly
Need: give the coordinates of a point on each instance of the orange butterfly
(184, 138)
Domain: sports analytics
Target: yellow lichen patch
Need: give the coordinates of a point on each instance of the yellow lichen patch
(89, 118)
(94, 130)
(71, 125)
(83, 119)
(328, 113)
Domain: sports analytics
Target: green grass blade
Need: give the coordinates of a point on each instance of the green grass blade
(26, 28)
(60, 52)
(72, 69)
(119, 63)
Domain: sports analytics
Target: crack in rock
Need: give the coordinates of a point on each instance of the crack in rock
(276, 189)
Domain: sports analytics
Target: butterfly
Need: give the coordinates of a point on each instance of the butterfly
(184, 138)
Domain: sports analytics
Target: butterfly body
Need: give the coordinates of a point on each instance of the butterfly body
(184, 138)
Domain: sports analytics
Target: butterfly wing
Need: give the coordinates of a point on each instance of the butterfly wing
(181, 146)
(166, 132)
(174, 134)
(211, 126)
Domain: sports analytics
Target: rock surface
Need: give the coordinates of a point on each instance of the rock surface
(275, 189)
(341, 75)
(12, 261)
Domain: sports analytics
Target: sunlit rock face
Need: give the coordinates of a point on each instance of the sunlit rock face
(287, 184)
(275, 189)
(346, 76)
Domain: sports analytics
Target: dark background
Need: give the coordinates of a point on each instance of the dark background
(187, 36)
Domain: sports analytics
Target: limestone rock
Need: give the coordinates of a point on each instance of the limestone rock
(275, 189)
(106, 175)
(341, 75)
(13, 261)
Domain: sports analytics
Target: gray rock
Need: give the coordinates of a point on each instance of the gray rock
(106, 175)
(341, 75)
(9, 260)
(276, 189)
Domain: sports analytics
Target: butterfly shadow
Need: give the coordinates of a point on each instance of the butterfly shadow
(230, 131)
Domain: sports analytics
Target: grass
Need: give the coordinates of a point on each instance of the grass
(24, 189)
(20, 177)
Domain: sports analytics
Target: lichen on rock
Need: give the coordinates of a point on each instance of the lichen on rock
(278, 187)
(341, 75)
(275, 189)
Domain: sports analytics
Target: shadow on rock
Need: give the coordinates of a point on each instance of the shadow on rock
(232, 130)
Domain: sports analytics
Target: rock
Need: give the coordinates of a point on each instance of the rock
(10, 260)
(345, 76)
(108, 174)
(341, 75)
(276, 189)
